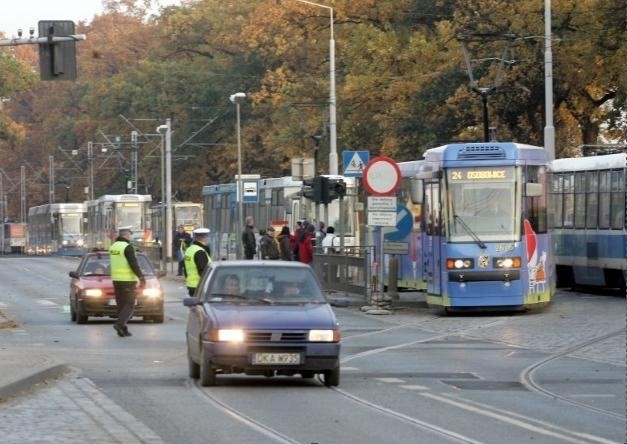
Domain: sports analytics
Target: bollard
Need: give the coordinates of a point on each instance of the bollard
(393, 277)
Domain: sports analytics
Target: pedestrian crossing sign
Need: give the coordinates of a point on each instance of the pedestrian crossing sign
(354, 162)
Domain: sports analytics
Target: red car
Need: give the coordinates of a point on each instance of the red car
(92, 293)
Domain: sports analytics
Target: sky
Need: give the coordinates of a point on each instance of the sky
(25, 14)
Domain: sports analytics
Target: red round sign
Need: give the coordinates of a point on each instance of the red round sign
(382, 176)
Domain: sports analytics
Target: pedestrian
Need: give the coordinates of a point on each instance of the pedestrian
(305, 245)
(330, 241)
(180, 241)
(298, 231)
(125, 274)
(197, 259)
(285, 244)
(248, 239)
(320, 233)
(268, 245)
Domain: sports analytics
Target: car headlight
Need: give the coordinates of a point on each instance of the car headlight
(229, 335)
(64, 242)
(456, 264)
(151, 293)
(324, 336)
(507, 262)
(93, 292)
(80, 242)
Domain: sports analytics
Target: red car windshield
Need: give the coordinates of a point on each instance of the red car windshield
(98, 265)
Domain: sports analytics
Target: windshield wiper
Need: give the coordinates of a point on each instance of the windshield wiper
(469, 231)
(239, 296)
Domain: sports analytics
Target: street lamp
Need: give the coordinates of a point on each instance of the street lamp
(549, 129)
(333, 168)
(166, 131)
(237, 98)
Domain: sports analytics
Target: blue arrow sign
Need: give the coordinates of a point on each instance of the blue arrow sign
(404, 224)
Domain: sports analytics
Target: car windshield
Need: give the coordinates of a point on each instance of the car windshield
(98, 265)
(264, 285)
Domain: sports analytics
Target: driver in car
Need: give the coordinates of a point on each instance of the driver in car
(231, 285)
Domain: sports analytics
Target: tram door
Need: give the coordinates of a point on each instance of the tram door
(431, 251)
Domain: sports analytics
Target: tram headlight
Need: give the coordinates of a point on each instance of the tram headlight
(459, 263)
(507, 262)
(80, 242)
(64, 242)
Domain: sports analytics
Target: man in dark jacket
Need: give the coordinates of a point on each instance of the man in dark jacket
(248, 239)
(180, 241)
(125, 273)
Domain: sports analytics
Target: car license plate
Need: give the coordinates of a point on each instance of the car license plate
(112, 302)
(276, 358)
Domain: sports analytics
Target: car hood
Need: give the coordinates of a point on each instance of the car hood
(264, 317)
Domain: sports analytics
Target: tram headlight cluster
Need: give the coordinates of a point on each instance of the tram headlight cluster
(459, 264)
(507, 262)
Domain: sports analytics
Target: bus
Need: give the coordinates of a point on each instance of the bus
(482, 238)
(111, 211)
(587, 220)
(57, 228)
(279, 203)
(187, 214)
(13, 237)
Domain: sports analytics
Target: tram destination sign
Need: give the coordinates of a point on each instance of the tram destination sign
(484, 174)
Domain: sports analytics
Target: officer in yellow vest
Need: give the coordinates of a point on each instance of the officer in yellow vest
(125, 274)
(197, 257)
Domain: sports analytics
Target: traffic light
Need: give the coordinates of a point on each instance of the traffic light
(336, 188)
(316, 189)
(57, 60)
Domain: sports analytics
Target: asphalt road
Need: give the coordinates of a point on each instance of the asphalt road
(416, 376)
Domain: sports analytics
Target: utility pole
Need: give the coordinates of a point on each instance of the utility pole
(51, 179)
(134, 161)
(23, 194)
(90, 158)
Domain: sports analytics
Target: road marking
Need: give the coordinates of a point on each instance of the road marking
(391, 380)
(46, 302)
(350, 369)
(3, 305)
(518, 420)
(594, 395)
(414, 387)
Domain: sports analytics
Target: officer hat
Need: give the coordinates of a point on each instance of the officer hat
(201, 231)
(128, 228)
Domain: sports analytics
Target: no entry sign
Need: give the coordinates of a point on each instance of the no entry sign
(382, 177)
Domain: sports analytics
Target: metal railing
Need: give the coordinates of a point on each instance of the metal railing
(347, 271)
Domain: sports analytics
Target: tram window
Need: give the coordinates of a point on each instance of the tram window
(604, 199)
(569, 210)
(580, 210)
(592, 201)
(617, 198)
(555, 215)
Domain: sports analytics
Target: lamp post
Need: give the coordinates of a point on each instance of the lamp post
(237, 98)
(166, 130)
(549, 129)
(333, 167)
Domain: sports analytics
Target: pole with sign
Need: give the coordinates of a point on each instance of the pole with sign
(382, 179)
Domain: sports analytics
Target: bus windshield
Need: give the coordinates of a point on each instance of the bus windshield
(481, 205)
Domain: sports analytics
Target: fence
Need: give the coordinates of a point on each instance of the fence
(349, 271)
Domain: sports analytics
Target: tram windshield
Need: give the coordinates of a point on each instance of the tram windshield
(187, 215)
(482, 205)
(71, 223)
(129, 214)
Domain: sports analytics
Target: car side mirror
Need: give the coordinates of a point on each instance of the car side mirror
(190, 302)
(73, 274)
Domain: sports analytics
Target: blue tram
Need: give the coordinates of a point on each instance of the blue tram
(483, 238)
(587, 220)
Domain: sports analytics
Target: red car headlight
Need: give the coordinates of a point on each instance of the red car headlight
(93, 292)
(151, 293)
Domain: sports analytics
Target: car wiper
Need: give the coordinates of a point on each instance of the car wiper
(240, 297)
(469, 231)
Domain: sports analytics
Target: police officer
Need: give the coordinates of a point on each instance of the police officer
(125, 273)
(197, 258)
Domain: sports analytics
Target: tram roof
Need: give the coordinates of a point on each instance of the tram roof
(590, 163)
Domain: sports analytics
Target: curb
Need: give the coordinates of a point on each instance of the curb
(30, 382)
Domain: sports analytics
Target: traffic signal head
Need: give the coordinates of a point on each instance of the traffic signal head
(336, 188)
(57, 60)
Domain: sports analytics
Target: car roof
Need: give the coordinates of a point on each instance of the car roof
(258, 264)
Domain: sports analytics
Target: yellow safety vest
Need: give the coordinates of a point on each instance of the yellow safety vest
(120, 268)
(192, 275)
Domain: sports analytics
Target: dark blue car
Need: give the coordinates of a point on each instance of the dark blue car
(261, 318)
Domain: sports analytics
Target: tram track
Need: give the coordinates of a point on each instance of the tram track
(527, 375)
